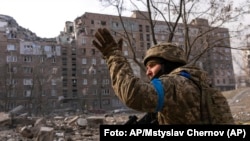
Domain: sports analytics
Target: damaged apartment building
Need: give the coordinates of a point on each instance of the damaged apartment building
(67, 72)
(30, 68)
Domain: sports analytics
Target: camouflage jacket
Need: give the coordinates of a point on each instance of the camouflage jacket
(182, 96)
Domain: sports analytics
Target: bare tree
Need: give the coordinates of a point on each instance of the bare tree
(10, 77)
(40, 72)
(44, 76)
(179, 16)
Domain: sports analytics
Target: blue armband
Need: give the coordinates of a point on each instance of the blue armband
(160, 92)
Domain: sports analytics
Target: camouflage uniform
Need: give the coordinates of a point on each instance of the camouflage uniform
(182, 95)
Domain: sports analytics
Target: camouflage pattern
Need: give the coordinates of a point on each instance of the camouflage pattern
(215, 107)
(182, 99)
(182, 96)
(167, 51)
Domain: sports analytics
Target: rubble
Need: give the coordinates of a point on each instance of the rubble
(84, 127)
(4, 119)
(16, 125)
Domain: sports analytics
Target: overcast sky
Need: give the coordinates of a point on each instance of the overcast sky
(47, 18)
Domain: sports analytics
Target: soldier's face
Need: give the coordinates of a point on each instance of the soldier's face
(152, 69)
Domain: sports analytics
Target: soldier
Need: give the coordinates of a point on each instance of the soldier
(182, 99)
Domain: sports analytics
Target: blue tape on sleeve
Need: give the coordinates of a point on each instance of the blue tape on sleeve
(160, 92)
(185, 74)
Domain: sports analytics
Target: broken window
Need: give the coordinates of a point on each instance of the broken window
(54, 70)
(106, 102)
(84, 41)
(140, 28)
(27, 59)
(53, 81)
(84, 71)
(92, 31)
(148, 37)
(53, 92)
(12, 69)
(84, 51)
(65, 82)
(85, 81)
(84, 61)
(93, 51)
(28, 69)
(103, 22)
(11, 58)
(42, 59)
(147, 28)
(53, 60)
(94, 81)
(11, 47)
(27, 93)
(141, 37)
(115, 24)
(43, 93)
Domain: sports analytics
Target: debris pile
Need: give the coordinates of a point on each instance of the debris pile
(82, 127)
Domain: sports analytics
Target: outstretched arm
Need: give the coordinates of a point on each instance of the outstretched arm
(130, 89)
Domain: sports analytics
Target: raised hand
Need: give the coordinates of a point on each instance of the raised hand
(105, 42)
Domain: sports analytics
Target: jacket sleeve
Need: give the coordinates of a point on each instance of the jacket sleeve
(131, 90)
